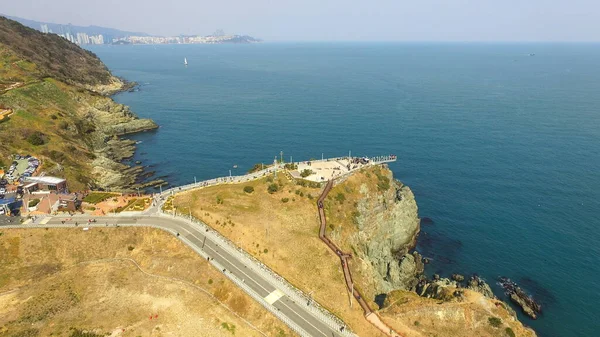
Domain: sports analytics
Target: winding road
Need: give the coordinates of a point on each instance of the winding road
(290, 305)
(296, 312)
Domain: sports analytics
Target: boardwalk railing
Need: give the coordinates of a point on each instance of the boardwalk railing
(262, 173)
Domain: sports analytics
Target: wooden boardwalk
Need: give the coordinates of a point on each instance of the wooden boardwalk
(371, 316)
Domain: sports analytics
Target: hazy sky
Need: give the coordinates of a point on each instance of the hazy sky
(277, 20)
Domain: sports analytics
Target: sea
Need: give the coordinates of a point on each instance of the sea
(500, 143)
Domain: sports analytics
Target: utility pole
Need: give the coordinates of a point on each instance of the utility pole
(281, 156)
(195, 182)
(321, 156)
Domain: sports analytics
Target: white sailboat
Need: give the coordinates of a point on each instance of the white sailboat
(185, 61)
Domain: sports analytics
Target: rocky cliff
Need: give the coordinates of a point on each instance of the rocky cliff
(388, 226)
(381, 227)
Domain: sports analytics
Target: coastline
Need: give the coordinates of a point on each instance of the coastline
(115, 122)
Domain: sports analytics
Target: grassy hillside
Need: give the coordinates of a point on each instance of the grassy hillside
(54, 56)
(53, 86)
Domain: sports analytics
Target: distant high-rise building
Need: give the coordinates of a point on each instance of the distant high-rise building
(45, 28)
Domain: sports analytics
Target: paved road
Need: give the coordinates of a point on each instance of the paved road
(198, 239)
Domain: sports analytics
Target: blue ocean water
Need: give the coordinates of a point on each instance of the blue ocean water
(501, 148)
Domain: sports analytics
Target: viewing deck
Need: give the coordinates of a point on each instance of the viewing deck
(323, 170)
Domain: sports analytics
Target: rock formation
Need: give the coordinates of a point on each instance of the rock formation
(388, 226)
(518, 296)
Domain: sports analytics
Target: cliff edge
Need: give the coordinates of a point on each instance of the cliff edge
(387, 228)
(376, 217)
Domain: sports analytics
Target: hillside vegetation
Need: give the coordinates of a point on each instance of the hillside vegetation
(61, 115)
(54, 56)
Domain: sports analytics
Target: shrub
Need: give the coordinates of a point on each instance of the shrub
(417, 323)
(248, 189)
(495, 321)
(383, 182)
(510, 332)
(306, 172)
(229, 327)
(53, 117)
(57, 156)
(340, 197)
(36, 139)
(273, 188)
(314, 184)
(265, 250)
(34, 202)
(284, 200)
(210, 281)
(219, 200)
(255, 168)
(130, 248)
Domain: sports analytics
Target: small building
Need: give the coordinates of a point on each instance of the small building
(47, 184)
(69, 202)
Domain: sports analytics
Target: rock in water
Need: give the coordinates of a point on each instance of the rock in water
(518, 296)
(480, 286)
(458, 277)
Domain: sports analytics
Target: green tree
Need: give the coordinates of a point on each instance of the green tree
(273, 188)
(495, 321)
(248, 189)
(306, 172)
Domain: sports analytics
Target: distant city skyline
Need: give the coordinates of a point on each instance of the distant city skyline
(312, 20)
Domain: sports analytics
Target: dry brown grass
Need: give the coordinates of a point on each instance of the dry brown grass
(56, 279)
(283, 235)
(416, 316)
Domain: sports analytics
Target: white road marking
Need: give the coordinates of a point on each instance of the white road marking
(45, 220)
(274, 296)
